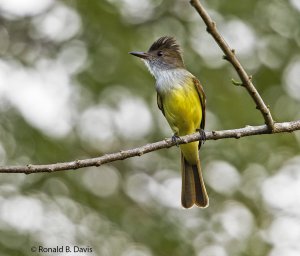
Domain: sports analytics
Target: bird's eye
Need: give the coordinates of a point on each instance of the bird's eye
(160, 53)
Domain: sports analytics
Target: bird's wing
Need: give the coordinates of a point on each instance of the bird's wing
(202, 97)
(160, 104)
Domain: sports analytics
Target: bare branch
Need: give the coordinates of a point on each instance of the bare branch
(231, 57)
(269, 128)
(167, 143)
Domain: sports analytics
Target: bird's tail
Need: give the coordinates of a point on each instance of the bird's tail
(193, 187)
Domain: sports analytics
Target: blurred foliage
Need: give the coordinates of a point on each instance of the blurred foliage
(91, 97)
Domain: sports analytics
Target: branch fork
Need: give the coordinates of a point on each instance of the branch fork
(229, 54)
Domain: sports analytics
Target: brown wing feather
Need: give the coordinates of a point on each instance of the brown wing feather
(202, 97)
(160, 104)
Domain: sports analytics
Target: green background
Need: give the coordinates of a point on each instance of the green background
(70, 90)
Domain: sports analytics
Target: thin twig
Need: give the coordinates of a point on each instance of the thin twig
(167, 143)
(231, 57)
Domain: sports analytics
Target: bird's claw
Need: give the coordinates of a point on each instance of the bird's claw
(175, 139)
(202, 136)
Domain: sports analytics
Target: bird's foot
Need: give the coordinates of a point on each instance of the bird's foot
(176, 139)
(202, 136)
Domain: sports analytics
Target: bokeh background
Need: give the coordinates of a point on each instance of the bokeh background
(70, 90)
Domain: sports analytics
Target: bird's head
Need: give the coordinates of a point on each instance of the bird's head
(164, 54)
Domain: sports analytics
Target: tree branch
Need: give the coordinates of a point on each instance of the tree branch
(231, 57)
(167, 143)
(269, 128)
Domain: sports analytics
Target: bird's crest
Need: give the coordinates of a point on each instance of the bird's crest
(165, 42)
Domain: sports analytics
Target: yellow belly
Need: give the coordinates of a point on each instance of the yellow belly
(183, 112)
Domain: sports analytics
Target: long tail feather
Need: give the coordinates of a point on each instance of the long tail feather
(193, 187)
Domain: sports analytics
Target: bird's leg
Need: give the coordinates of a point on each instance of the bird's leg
(175, 138)
(202, 136)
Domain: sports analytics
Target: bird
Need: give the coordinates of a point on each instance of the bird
(181, 99)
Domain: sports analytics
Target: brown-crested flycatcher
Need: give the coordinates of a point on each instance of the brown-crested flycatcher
(181, 99)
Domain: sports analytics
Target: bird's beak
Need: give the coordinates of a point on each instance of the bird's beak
(142, 55)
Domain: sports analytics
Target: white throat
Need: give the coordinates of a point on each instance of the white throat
(168, 79)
